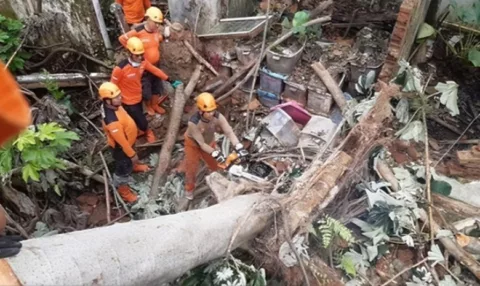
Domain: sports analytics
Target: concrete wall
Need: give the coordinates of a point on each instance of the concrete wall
(212, 10)
(71, 21)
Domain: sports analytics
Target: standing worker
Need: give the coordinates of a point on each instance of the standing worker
(121, 133)
(128, 76)
(149, 34)
(134, 10)
(200, 140)
(14, 117)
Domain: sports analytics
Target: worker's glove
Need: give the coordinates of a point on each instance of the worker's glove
(10, 245)
(241, 151)
(217, 155)
(174, 83)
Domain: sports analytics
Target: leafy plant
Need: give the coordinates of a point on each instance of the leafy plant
(57, 93)
(10, 30)
(331, 229)
(364, 86)
(37, 149)
(226, 272)
(298, 25)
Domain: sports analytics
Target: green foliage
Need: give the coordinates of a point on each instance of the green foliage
(10, 30)
(298, 26)
(330, 229)
(38, 150)
(225, 272)
(467, 14)
(57, 93)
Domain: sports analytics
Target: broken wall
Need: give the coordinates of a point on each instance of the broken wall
(71, 21)
(186, 11)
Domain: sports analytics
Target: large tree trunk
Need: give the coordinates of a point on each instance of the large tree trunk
(148, 252)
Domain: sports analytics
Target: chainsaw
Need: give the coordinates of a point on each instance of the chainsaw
(233, 165)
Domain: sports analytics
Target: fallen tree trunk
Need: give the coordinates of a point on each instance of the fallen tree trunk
(33, 81)
(172, 131)
(148, 252)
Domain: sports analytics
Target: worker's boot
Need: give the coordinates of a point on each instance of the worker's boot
(150, 136)
(155, 104)
(127, 194)
(140, 168)
(149, 107)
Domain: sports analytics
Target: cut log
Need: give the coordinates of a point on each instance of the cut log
(33, 81)
(130, 253)
(331, 84)
(172, 132)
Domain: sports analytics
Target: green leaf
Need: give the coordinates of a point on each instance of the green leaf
(300, 18)
(425, 31)
(63, 140)
(29, 171)
(27, 138)
(48, 131)
(6, 159)
(440, 187)
(56, 188)
(474, 56)
(348, 265)
(286, 23)
(44, 158)
(449, 97)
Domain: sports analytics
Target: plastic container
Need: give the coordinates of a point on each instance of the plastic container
(295, 92)
(319, 102)
(296, 112)
(284, 63)
(272, 82)
(268, 99)
(281, 125)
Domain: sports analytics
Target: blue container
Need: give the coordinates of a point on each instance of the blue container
(272, 82)
(268, 99)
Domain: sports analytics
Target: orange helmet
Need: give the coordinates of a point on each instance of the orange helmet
(14, 110)
(155, 14)
(108, 90)
(135, 46)
(206, 102)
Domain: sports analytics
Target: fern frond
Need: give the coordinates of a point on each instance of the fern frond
(331, 228)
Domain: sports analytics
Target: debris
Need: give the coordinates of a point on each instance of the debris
(318, 131)
(199, 58)
(283, 60)
(281, 125)
(296, 112)
(330, 84)
(234, 78)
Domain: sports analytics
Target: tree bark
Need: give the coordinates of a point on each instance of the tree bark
(172, 131)
(33, 81)
(331, 84)
(147, 252)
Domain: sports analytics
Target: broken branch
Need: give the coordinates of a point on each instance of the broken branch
(199, 58)
(331, 85)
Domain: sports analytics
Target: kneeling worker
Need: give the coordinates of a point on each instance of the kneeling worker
(121, 133)
(200, 140)
(128, 76)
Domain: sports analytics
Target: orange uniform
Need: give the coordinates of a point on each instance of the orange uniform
(151, 42)
(134, 10)
(120, 129)
(129, 79)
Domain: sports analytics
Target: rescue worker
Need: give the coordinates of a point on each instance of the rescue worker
(121, 132)
(148, 33)
(128, 77)
(14, 117)
(200, 140)
(134, 10)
